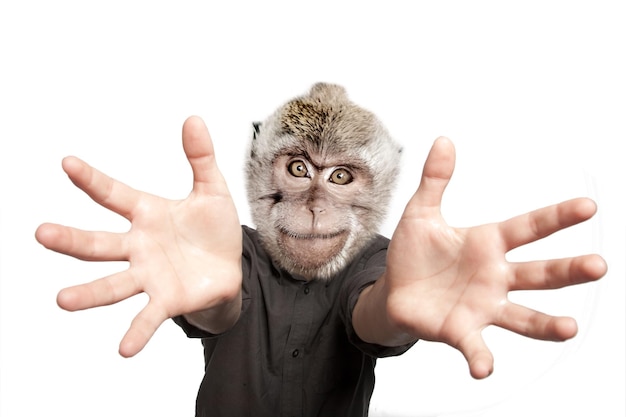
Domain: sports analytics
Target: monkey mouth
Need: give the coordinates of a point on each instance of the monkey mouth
(311, 250)
(310, 236)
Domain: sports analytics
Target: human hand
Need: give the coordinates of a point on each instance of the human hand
(185, 255)
(447, 284)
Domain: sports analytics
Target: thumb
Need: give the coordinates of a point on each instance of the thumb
(436, 175)
(199, 150)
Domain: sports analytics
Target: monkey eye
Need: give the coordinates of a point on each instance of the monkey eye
(341, 177)
(298, 169)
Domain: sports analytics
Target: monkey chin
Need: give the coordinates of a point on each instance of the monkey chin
(311, 254)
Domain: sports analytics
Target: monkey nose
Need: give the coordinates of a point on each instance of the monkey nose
(317, 223)
(317, 210)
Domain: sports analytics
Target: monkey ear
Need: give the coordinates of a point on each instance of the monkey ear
(256, 129)
(328, 92)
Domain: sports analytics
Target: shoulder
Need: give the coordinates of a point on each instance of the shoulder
(249, 233)
(374, 254)
(367, 266)
(251, 242)
(256, 262)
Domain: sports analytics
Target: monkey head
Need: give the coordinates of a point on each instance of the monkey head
(319, 177)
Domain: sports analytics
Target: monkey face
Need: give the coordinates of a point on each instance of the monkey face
(319, 178)
(318, 209)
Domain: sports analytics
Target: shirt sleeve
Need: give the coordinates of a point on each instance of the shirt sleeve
(190, 330)
(373, 266)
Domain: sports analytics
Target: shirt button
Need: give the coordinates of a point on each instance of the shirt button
(295, 353)
(307, 290)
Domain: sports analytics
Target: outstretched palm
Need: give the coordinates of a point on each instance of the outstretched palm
(186, 255)
(446, 284)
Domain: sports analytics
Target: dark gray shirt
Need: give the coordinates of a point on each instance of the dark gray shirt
(293, 351)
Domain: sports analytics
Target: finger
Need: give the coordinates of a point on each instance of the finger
(436, 175)
(81, 244)
(534, 324)
(142, 328)
(199, 149)
(557, 273)
(103, 189)
(540, 223)
(477, 355)
(104, 291)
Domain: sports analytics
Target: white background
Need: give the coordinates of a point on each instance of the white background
(532, 93)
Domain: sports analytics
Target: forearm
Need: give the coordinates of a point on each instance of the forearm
(371, 319)
(217, 319)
